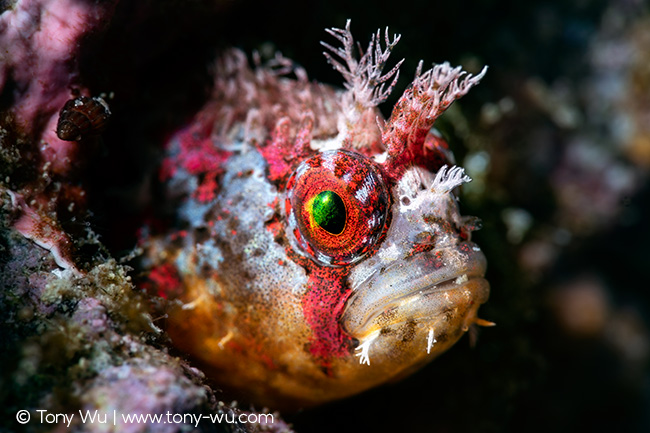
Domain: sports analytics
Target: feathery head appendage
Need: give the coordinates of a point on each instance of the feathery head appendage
(363, 76)
(446, 180)
(428, 96)
(434, 90)
(281, 66)
(417, 180)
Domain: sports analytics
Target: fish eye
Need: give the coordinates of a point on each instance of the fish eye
(337, 207)
(328, 212)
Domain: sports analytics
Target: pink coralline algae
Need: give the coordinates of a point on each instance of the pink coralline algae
(39, 41)
(77, 335)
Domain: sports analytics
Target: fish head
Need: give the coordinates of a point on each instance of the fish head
(318, 248)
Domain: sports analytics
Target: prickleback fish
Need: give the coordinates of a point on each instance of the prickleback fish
(315, 249)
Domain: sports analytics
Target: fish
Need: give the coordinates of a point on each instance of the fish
(308, 248)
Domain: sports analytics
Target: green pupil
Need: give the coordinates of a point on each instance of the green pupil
(329, 212)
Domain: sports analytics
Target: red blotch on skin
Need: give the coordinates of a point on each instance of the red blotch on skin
(285, 148)
(323, 306)
(197, 154)
(274, 227)
(164, 281)
(421, 248)
(266, 359)
(178, 235)
(251, 347)
(168, 169)
(206, 191)
(278, 150)
(274, 203)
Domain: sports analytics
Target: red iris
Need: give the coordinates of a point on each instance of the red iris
(337, 205)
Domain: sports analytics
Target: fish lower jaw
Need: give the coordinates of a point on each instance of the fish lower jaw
(425, 304)
(422, 324)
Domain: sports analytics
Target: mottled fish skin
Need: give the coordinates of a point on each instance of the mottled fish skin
(316, 250)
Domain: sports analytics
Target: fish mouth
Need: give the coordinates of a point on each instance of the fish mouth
(423, 288)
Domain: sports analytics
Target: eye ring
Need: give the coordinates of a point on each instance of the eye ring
(337, 207)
